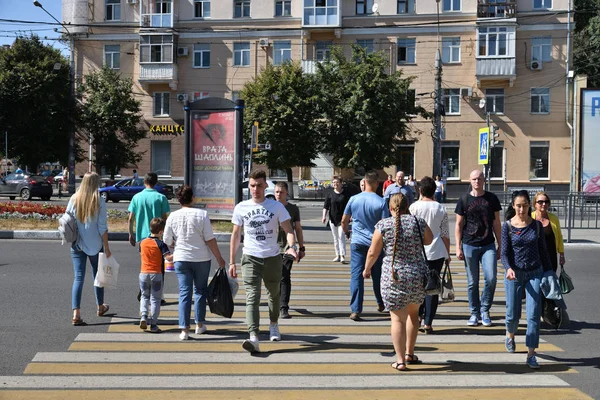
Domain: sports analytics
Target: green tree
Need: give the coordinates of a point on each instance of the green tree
(365, 112)
(282, 100)
(586, 49)
(112, 115)
(36, 104)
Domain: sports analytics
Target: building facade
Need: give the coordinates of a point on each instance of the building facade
(502, 61)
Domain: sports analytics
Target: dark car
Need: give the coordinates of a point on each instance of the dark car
(125, 189)
(25, 186)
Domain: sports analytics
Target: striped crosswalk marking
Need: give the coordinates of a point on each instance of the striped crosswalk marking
(323, 353)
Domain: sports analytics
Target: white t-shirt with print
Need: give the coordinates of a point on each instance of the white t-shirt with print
(261, 222)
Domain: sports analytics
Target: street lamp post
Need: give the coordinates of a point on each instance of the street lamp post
(72, 90)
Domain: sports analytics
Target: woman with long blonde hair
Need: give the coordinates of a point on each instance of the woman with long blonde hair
(402, 274)
(92, 237)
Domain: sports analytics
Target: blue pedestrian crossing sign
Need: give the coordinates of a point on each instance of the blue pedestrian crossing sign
(484, 146)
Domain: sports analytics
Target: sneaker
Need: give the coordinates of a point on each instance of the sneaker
(284, 314)
(163, 302)
(336, 259)
(473, 321)
(355, 317)
(155, 329)
(342, 260)
(251, 345)
(532, 362)
(143, 323)
(184, 335)
(511, 347)
(485, 319)
(200, 329)
(274, 334)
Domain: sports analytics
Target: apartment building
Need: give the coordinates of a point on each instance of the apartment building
(506, 61)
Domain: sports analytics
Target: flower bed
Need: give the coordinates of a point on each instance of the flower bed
(26, 210)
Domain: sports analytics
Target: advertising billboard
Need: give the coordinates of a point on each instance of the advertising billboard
(590, 141)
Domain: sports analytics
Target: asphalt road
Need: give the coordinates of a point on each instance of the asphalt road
(35, 295)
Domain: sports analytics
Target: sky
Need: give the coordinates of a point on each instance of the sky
(26, 11)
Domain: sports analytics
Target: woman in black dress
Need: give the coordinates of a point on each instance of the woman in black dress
(335, 203)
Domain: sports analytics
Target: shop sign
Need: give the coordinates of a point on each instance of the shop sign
(167, 130)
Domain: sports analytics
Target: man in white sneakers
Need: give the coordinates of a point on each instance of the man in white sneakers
(261, 260)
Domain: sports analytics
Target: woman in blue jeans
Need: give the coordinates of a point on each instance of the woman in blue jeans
(524, 257)
(90, 211)
(189, 230)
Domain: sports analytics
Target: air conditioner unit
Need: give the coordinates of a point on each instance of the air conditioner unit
(181, 97)
(536, 65)
(466, 92)
(264, 42)
(182, 51)
(145, 21)
(131, 1)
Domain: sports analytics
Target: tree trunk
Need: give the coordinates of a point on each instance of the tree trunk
(290, 180)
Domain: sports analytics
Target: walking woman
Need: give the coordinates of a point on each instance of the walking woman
(438, 251)
(189, 230)
(551, 224)
(92, 237)
(439, 189)
(525, 257)
(402, 275)
(335, 203)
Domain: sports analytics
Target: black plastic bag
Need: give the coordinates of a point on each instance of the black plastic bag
(220, 300)
(553, 314)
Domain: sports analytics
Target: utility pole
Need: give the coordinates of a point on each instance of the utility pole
(438, 107)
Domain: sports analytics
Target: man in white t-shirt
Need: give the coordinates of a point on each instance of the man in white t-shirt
(260, 218)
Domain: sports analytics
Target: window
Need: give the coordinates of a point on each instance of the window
(241, 54)
(113, 10)
(321, 12)
(112, 56)
(406, 51)
(364, 7)
(241, 8)
(450, 158)
(494, 101)
(450, 50)
(451, 101)
(451, 5)
(402, 7)
(162, 104)
(283, 8)
(406, 158)
(156, 48)
(199, 95)
(543, 4)
(282, 52)
(497, 161)
(278, 173)
(201, 55)
(322, 50)
(201, 8)
(540, 100)
(366, 44)
(538, 160)
(161, 157)
(541, 49)
(493, 42)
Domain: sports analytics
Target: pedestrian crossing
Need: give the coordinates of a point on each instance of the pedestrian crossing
(323, 354)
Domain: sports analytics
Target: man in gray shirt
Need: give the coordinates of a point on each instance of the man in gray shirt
(398, 187)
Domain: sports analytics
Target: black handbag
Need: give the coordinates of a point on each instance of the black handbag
(433, 281)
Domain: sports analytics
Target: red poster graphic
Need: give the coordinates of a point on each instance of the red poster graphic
(213, 141)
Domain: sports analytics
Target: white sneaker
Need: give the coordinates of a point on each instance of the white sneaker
(251, 345)
(184, 335)
(342, 260)
(274, 334)
(336, 259)
(200, 329)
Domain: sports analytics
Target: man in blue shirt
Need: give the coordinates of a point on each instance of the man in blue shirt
(365, 209)
(398, 187)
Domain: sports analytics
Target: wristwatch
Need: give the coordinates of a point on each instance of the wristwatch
(293, 247)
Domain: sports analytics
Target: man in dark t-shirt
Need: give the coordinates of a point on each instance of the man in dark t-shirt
(281, 193)
(477, 222)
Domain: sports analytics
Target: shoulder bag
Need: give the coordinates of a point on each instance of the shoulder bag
(447, 286)
(433, 281)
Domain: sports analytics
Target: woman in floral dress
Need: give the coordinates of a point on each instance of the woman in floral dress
(402, 275)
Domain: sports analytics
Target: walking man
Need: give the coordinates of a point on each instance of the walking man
(398, 187)
(145, 206)
(365, 209)
(477, 222)
(281, 194)
(260, 218)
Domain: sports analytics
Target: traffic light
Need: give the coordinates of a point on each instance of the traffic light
(494, 135)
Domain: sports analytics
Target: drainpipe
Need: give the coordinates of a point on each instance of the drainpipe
(301, 45)
(572, 186)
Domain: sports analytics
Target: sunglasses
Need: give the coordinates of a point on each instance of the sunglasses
(543, 202)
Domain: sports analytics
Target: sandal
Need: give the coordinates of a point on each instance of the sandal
(398, 366)
(412, 359)
(78, 322)
(103, 309)
(428, 330)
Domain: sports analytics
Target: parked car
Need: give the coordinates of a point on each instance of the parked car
(269, 191)
(125, 189)
(58, 178)
(25, 186)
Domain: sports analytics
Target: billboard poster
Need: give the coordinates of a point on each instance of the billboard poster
(484, 146)
(213, 162)
(590, 141)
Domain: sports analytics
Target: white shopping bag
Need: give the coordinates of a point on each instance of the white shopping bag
(108, 272)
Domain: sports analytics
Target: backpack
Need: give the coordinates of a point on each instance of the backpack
(67, 227)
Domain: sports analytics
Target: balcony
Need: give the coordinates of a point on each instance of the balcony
(156, 14)
(496, 69)
(497, 9)
(321, 13)
(309, 66)
(158, 73)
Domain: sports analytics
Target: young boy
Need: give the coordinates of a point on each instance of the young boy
(153, 251)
